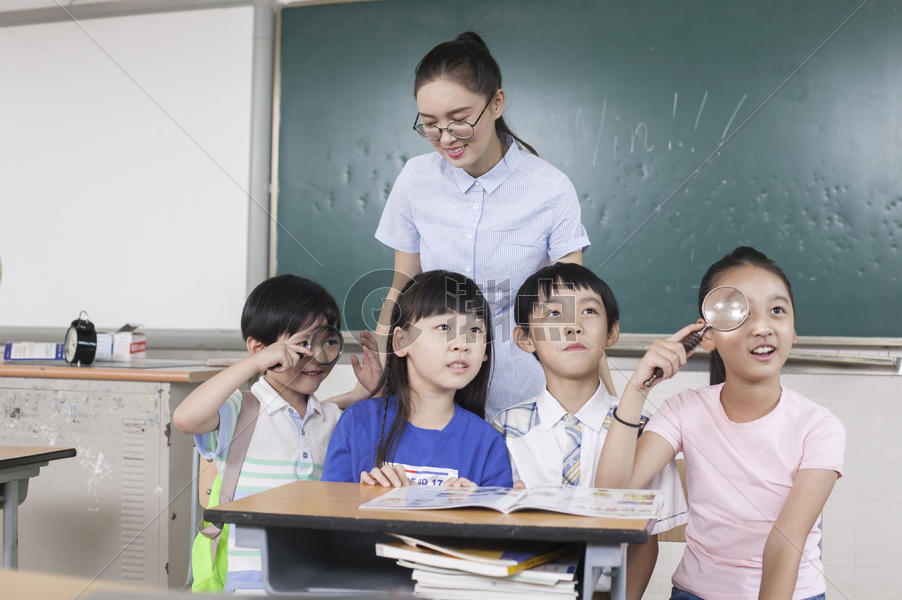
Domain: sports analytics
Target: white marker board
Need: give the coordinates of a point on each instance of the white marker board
(124, 160)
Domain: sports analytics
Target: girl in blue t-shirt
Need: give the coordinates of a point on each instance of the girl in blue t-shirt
(428, 429)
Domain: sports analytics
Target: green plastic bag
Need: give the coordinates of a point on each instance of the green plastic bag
(209, 570)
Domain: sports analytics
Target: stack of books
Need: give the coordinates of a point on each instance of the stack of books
(447, 570)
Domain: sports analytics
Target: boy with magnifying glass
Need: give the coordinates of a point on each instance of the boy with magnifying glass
(291, 328)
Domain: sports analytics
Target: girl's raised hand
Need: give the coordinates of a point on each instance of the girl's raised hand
(369, 369)
(281, 355)
(388, 475)
(459, 482)
(667, 354)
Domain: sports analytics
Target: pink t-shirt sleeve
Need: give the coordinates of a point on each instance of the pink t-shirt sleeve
(667, 422)
(825, 444)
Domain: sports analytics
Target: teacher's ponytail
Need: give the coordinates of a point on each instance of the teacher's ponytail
(466, 60)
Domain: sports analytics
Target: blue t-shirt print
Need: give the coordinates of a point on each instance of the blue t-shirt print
(467, 447)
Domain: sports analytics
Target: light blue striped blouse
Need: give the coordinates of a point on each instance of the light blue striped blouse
(497, 229)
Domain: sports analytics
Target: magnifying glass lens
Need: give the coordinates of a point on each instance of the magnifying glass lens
(326, 344)
(725, 308)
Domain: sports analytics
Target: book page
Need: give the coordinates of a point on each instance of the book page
(417, 497)
(594, 502)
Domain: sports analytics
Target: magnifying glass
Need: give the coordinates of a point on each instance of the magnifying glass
(325, 344)
(724, 308)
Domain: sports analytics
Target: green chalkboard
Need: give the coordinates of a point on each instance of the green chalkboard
(688, 128)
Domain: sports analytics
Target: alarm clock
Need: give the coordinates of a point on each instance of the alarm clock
(81, 341)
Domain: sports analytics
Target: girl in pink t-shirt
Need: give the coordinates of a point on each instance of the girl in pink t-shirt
(761, 460)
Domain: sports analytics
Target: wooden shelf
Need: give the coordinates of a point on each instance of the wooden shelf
(169, 374)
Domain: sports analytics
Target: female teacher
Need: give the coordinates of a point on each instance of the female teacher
(483, 204)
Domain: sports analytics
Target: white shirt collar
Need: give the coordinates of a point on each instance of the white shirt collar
(272, 402)
(512, 157)
(592, 414)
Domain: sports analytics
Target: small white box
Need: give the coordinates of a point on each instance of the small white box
(129, 344)
(104, 346)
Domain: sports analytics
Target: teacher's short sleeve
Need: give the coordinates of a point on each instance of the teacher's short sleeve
(567, 231)
(396, 227)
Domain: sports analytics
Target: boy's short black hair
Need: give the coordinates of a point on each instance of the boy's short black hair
(286, 304)
(571, 276)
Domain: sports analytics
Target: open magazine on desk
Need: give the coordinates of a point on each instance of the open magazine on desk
(588, 502)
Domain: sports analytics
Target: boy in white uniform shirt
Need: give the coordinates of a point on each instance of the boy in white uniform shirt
(567, 317)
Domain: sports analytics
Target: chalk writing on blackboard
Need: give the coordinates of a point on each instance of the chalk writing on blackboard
(641, 136)
(641, 129)
(700, 109)
(604, 109)
(733, 116)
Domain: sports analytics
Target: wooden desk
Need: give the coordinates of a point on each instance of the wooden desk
(49, 586)
(127, 495)
(17, 465)
(314, 536)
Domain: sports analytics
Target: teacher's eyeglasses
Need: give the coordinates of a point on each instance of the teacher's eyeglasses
(462, 130)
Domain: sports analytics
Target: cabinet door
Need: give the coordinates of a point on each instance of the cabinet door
(108, 511)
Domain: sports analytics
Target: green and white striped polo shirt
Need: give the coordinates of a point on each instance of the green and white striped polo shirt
(285, 447)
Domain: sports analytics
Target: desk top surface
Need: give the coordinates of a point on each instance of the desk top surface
(16, 456)
(327, 505)
(190, 372)
(49, 586)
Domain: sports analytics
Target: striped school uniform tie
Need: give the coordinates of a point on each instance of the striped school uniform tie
(570, 468)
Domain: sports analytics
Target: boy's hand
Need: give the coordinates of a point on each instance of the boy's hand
(519, 485)
(282, 355)
(459, 482)
(369, 369)
(667, 354)
(387, 476)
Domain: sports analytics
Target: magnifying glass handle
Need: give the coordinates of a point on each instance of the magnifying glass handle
(689, 343)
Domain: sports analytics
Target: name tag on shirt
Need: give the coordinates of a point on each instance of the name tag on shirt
(427, 475)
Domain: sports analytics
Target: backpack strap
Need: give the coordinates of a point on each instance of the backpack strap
(241, 440)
